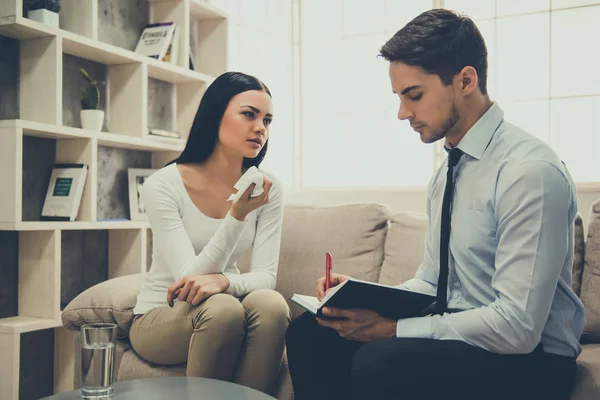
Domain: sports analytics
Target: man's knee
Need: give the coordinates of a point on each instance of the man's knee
(377, 373)
(299, 329)
(368, 365)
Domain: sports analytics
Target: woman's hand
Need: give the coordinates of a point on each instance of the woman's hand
(335, 279)
(246, 204)
(195, 288)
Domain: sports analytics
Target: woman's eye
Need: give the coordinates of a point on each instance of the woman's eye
(417, 97)
(268, 121)
(248, 114)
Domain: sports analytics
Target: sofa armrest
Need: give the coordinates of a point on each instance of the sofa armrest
(111, 301)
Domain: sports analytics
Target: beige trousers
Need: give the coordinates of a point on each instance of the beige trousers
(221, 338)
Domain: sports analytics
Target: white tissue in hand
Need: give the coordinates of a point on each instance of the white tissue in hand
(253, 175)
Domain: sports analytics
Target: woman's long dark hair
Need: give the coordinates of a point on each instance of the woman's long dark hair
(205, 129)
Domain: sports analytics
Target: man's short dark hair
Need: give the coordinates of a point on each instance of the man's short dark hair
(441, 42)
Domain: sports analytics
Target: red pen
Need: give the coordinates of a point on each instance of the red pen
(327, 271)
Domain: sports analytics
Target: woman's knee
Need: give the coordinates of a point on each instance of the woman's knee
(219, 310)
(269, 305)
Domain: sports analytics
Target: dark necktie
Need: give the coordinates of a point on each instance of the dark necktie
(442, 288)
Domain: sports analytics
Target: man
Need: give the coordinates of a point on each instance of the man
(507, 324)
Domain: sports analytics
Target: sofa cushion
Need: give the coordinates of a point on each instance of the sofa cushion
(110, 301)
(587, 384)
(134, 367)
(404, 247)
(579, 255)
(354, 234)
(590, 281)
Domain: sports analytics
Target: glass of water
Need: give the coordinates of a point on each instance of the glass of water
(98, 360)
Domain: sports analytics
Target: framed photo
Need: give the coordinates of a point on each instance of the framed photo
(136, 178)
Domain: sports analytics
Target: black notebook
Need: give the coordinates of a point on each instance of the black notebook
(388, 301)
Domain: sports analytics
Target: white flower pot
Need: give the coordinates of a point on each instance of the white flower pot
(92, 120)
(44, 16)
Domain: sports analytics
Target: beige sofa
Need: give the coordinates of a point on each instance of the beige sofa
(367, 242)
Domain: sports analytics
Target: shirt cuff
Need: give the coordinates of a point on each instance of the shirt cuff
(234, 280)
(233, 220)
(414, 328)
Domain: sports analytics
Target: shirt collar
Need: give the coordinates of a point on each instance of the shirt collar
(477, 139)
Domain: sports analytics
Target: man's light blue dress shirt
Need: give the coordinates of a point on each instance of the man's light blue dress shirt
(511, 246)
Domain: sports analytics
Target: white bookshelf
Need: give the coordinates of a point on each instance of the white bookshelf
(204, 29)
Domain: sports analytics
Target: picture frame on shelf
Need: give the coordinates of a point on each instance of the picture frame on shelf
(64, 193)
(135, 180)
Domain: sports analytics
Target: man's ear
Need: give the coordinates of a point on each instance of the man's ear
(468, 80)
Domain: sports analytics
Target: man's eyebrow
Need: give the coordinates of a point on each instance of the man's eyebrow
(256, 110)
(408, 89)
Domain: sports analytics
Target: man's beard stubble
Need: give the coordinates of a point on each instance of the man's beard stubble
(447, 126)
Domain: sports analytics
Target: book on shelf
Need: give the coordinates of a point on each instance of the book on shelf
(156, 39)
(64, 192)
(172, 54)
(164, 133)
(388, 301)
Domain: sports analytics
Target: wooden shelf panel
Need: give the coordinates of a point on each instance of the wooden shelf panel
(38, 129)
(171, 73)
(93, 50)
(24, 28)
(73, 226)
(17, 325)
(202, 10)
(134, 143)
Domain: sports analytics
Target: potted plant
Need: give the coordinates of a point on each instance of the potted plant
(91, 117)
(44, 11)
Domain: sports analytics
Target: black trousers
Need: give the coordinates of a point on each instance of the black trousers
(325, 366)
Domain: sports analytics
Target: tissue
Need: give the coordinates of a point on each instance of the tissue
(252, 175)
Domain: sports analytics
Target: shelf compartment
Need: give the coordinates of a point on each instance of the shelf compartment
(126, 102)
(73, 84)
(36, 365)
(11, 160)
(127, 252)
(177, 12)
(208, 41)
(9, 275)
(84, 262)
(113, 188)
(80, 17)
(39, 273)
(202, 10)
(41, 80)
(38, 158)
(10, 346)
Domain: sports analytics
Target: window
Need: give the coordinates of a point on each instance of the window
(544, 72)
(351, 136)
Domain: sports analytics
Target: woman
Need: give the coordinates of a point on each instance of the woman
(225, 325)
